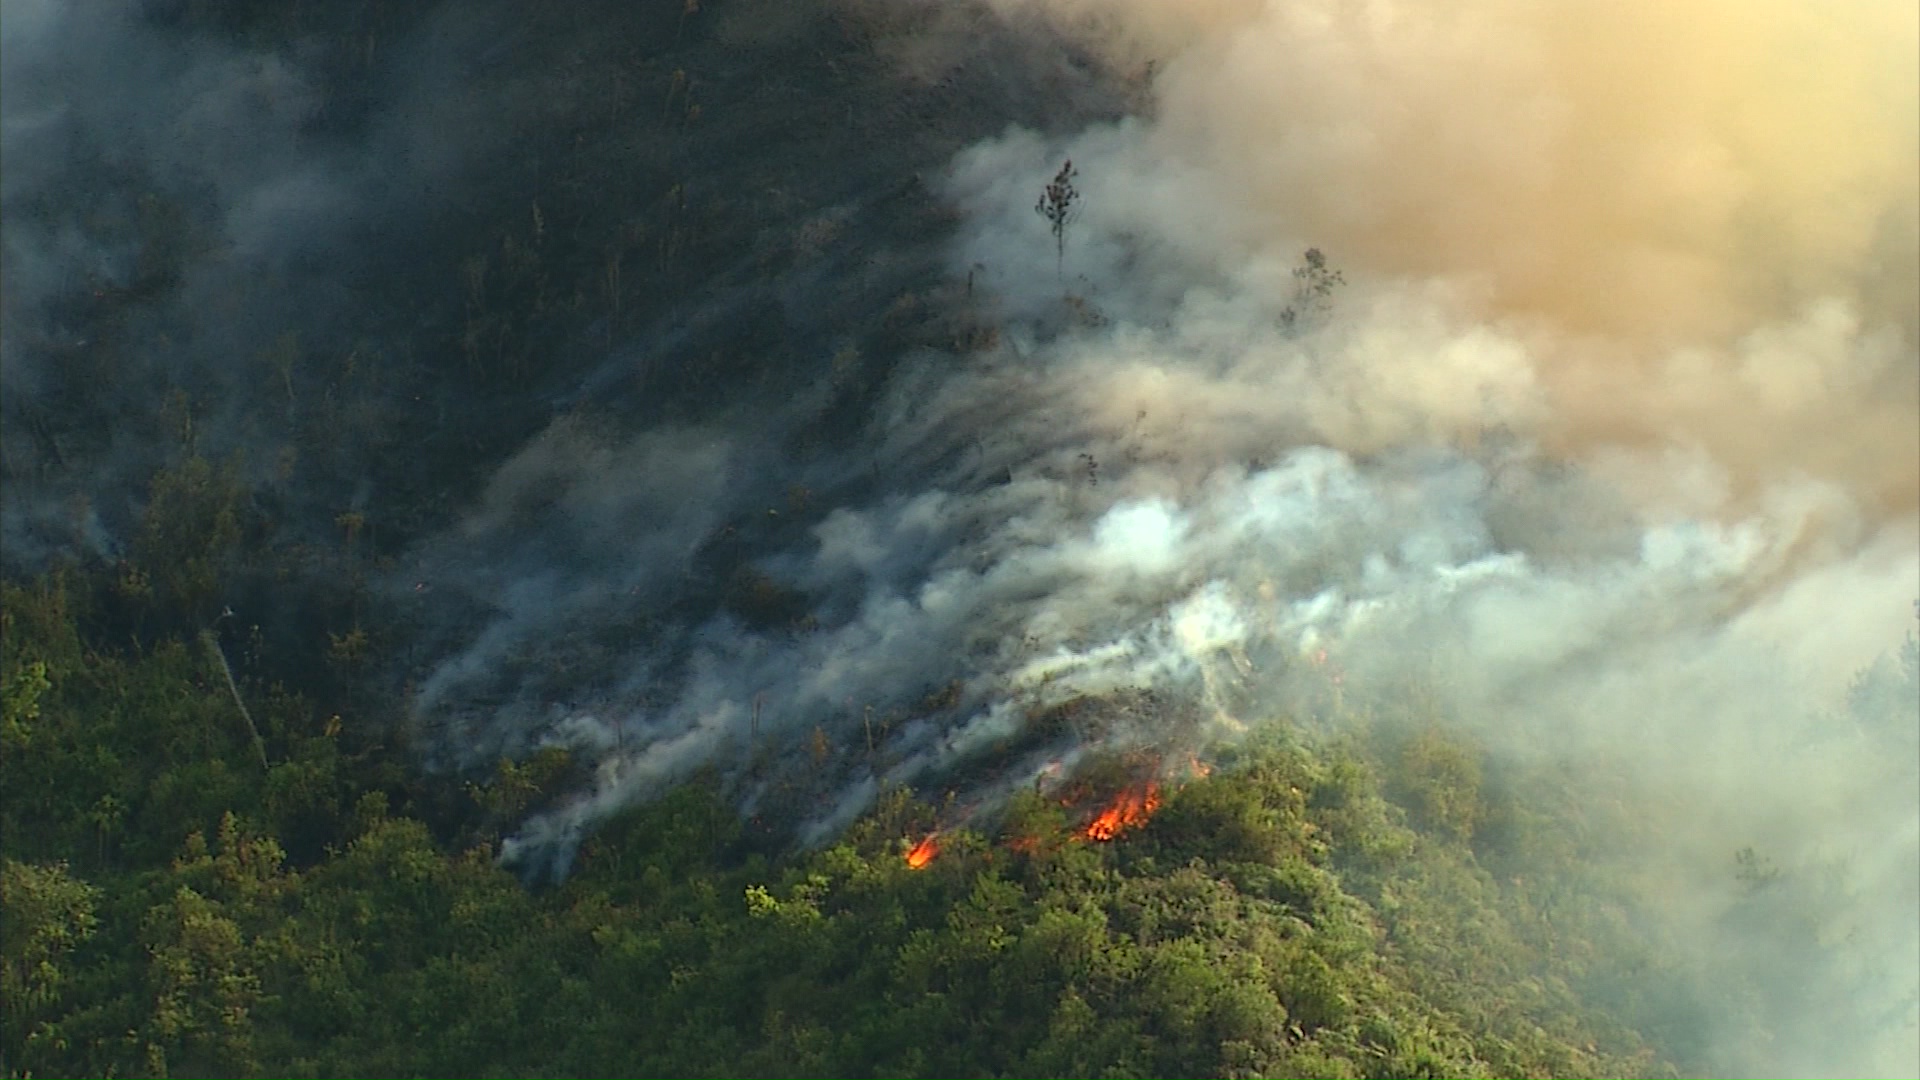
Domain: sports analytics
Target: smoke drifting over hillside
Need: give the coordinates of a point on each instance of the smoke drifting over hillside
(1610, 444)
(190, 217)
(1617, 427)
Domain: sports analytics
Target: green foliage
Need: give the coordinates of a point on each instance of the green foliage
(20, 704)
(48, 914)
(204, 987)
(188, 536)
(113, 759)
(186, 892)
(1438, 779)
(1391, 906)
(517, 786)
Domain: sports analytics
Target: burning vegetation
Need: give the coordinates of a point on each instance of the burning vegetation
(1130, 809)
(922, 853)
(1125, 811)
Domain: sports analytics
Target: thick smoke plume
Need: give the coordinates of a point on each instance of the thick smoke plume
(1608, 449)
(1700, 218)
(194, 220)
(1616, 429)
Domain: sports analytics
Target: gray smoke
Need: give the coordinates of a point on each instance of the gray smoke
(1609, 447)
(1615, 429)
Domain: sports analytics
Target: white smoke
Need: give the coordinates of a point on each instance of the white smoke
(1613, 436)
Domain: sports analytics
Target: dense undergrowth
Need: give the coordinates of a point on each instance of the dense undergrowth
(222, 855)
(1313, 907)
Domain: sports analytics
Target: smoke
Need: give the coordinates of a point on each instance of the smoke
(1668, 256)
(195, 219)
(1702, 214)
(1611, 442)
(1608, 446)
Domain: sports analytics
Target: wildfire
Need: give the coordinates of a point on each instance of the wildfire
(923, 852)
(1129, 809)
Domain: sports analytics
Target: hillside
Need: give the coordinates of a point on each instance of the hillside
(1386, 905)
(616, 538)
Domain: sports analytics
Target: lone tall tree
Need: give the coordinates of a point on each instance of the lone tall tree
(1056, 205)
(1313, 285)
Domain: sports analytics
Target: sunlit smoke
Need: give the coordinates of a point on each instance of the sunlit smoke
(1547, 371)
(1700, 217)
(1608, 441)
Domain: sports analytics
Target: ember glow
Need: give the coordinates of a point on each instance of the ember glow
(923, 852)
(1130, 809)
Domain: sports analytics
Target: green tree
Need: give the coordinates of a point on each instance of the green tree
(204, 987)
(1439, 777)
(48, 914)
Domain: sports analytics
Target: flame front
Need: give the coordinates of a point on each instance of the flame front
(1129, 809)
(923, 852)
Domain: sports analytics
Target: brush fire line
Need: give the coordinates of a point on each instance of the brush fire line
(1127, 811)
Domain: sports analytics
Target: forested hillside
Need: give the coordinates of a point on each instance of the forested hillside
(989, 538)
(183, 900)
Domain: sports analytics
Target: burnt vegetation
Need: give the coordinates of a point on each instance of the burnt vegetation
(224, 853)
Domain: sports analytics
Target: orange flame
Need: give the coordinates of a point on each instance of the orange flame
(1129, 809)
(923, 852)
(1200, 768)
